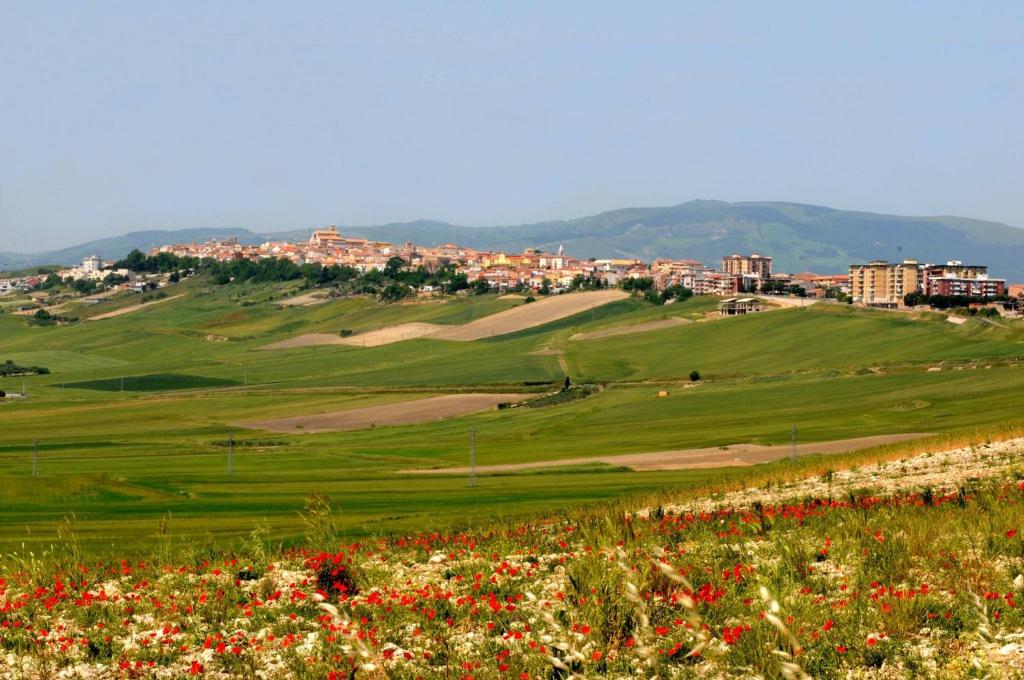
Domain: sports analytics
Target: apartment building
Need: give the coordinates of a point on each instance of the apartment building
(882, 284)
(956, 278)
(738, 265)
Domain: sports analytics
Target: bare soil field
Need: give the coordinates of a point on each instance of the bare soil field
(628, 330)
(306, 340)
(509, 321)
(390, 334)
(132, 308)
(529, 315)
(305, 300)
(735, 455)
(399, 413)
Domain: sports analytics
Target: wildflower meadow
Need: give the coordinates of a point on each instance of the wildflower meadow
(909, 568)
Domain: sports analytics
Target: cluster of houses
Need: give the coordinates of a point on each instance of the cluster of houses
(93, 268)
(18, 284)
(877, 283)
(504, 271)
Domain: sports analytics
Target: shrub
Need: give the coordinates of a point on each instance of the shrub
(694, 376)
(653, 297)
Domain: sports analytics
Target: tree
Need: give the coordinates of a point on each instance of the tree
(545, 287)
(113, 279)
(456, 283)
(915, 298)
(481, 287)
(374, 276)
(694, 376)
(677, 291)
(394, 292)
(394, 267)
(136, 261)
(640, 283)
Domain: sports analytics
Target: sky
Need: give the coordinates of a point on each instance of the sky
(122, 116)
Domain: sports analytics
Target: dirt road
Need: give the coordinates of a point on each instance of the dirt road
(133, 308)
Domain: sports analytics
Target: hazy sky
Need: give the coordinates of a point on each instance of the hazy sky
(116, 117)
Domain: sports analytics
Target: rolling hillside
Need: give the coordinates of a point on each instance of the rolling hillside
(134, 417)
(799, 237)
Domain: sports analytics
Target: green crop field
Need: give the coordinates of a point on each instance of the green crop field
(151, 383)
(134, 420)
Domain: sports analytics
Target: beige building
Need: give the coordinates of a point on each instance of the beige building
(326, 237)
(738, 265)
(882, 284)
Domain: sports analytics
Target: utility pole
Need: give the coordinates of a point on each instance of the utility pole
(792, 454)
(472, 459)
(35, 458)
(231, 454)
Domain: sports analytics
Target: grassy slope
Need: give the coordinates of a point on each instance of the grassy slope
(796, 339)
(121, 460)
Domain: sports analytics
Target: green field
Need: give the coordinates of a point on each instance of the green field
(122, 458)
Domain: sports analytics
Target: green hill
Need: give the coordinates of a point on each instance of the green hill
(118, 246)
(799, 237)
(134, 416)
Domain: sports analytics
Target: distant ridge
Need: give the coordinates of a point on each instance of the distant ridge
(800, 237)
(119, 246)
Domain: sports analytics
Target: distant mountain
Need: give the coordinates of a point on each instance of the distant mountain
(799, 237)
(118, 246)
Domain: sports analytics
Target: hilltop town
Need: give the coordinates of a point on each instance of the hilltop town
(874, 284)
